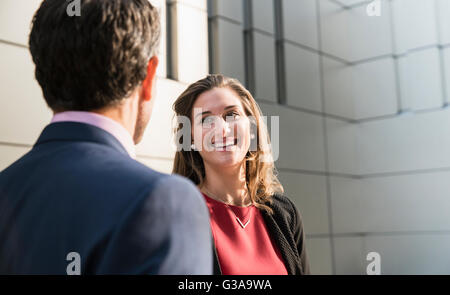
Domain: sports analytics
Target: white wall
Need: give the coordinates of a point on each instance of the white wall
(389, 165)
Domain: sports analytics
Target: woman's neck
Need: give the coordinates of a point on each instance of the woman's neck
(227, 185)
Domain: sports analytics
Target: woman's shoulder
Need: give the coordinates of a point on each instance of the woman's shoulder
(283, 208)
(282, 203)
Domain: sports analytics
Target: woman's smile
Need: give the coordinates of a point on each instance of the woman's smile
(225, 144)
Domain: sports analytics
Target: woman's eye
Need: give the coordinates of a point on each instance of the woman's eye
(207, 120)
(234, 115)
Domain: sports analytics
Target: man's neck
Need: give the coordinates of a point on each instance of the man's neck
(124, 113)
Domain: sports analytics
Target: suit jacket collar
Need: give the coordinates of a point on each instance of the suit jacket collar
(75, 131)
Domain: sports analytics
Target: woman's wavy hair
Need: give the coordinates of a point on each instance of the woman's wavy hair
(261, 179)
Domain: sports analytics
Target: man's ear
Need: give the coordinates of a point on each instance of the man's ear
(149, 81)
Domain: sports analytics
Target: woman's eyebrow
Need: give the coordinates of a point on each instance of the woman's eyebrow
(201, 114)
(209, 112)
(230, 107)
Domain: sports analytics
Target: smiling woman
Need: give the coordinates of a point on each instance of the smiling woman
(222, 110)
(256, 229)
(222, 131)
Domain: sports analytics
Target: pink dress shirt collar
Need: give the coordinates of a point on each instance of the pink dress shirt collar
(100, 121)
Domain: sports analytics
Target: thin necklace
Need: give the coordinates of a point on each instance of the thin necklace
(237, 218)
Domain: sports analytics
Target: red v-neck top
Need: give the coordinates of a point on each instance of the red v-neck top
(243, 251)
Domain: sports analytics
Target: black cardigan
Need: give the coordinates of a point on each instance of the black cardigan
(286, 228)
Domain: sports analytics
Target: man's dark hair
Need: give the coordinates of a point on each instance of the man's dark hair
(96, 59)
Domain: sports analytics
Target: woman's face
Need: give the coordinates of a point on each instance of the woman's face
(221, 128)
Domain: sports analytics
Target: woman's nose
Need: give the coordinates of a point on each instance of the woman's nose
(222, 127)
